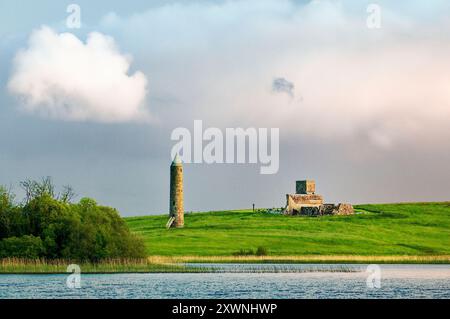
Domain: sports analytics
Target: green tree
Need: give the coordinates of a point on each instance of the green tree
(22, 247)
(82, 231)
(6, 206)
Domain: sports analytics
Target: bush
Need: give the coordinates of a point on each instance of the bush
(244, 252)
(28, 246)
(54, 228)
(261, 251)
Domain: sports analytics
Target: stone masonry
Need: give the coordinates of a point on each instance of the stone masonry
(306, 202)
(305, 187)
(176, 194)
(296, 201)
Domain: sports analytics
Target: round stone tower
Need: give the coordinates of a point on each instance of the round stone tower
(176, 193)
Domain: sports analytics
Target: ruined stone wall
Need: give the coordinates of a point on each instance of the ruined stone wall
(296, 201)
(345, 209)
(326, 209)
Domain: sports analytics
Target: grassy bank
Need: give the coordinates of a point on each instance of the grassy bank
(321, 259)
(391, 232)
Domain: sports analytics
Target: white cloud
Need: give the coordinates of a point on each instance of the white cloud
(59, 76)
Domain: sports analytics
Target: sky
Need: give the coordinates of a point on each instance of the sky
(362, 110)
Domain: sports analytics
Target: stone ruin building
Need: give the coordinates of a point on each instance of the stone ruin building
(306, 202)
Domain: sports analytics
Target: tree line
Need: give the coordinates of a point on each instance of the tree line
(49, 225)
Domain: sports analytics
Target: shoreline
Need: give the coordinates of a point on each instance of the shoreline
(176, 264)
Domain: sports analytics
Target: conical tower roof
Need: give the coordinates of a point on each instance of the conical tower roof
(177, 161)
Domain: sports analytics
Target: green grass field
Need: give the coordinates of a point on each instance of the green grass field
(415, 229)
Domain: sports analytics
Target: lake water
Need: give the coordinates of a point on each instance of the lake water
(243, 281)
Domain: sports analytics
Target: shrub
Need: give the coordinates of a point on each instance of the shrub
(28, 246)
(244, 252)
(261, 251)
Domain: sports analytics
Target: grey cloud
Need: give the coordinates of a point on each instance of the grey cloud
(281, 85)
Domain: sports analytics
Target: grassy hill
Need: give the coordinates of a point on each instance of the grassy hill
(418, 229)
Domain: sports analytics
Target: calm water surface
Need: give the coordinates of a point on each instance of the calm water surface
(397, 281)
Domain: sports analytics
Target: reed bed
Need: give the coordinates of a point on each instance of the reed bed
(43, 266)
(150, 265)
(164, 264)
(277, 268)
